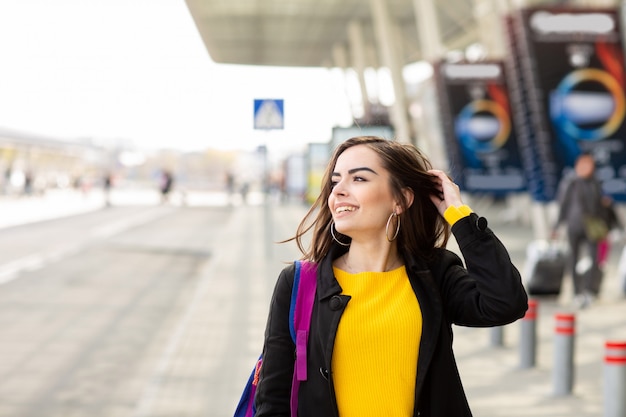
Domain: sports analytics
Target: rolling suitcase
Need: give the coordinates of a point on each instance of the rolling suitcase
(545, 267)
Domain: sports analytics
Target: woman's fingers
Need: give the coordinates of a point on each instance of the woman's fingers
(450, 194)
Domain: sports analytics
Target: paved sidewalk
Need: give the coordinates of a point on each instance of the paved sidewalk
(17, 210)
(233, 304)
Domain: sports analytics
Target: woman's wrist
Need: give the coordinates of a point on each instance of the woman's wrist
(455, 213)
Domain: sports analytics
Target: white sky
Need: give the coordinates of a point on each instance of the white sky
(138, 70)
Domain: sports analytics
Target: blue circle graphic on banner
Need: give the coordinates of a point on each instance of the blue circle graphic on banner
(483, 126)
(585, 114)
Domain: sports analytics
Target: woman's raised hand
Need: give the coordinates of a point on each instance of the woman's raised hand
(449, 192)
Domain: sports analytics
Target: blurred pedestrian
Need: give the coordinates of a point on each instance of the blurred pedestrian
(6, 182)
(583, 214)
(28, 182)
(167, 182)
(388, 292)
(230, 186)
(107, 185)
(245, 188)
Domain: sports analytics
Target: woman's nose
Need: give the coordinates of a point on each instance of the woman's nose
(339, 189)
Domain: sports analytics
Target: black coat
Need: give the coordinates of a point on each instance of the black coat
(488, 293)
(578, 198)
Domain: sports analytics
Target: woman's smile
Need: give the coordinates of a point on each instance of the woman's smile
(344, 209)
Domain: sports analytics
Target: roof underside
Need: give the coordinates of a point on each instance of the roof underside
(303, 32)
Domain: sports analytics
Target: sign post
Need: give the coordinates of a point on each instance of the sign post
(268, 115)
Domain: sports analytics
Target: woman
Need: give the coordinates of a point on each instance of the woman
(380, 342)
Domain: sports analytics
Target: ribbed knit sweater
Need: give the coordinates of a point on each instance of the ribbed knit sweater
(375, 356)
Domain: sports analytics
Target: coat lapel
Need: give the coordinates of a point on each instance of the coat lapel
(430, 302)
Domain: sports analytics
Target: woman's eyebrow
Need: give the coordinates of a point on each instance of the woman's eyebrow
(353, 170)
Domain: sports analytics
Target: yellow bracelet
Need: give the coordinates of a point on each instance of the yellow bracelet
(453, 214)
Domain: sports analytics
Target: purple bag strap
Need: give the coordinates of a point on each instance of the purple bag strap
(305, 297)
(250, 411)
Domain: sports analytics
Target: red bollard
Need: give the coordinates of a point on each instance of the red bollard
(563, 372)
(615, 379)
(528, 337)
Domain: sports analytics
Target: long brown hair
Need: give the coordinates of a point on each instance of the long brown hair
(422, 227)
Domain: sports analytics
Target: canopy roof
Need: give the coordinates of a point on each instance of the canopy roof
(302, 33)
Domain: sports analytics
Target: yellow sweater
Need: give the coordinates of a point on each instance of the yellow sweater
(374, 361)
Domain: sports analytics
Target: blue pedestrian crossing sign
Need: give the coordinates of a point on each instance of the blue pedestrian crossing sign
(269, 114)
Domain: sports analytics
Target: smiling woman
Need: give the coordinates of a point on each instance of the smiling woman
(388, 292)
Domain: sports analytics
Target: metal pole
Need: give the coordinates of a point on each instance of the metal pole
(563, 372)
(497, 336)
(528, 337)
(615, 379)
(267, 210)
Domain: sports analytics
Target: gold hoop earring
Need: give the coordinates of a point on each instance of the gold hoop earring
(332, 233)
(395, 235)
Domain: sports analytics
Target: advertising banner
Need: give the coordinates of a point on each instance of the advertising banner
(571, 66)
(481, 138)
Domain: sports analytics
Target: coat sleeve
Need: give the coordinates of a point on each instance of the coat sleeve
(563, 198)
(274, 389)
(488, 291)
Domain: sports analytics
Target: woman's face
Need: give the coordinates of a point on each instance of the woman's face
(361, 200)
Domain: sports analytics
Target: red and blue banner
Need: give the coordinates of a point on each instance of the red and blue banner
(479, 129)
(570, 65)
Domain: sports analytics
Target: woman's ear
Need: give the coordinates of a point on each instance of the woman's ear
(408, 197)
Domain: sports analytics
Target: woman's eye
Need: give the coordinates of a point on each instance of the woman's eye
(359, 179)
(332, 184)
